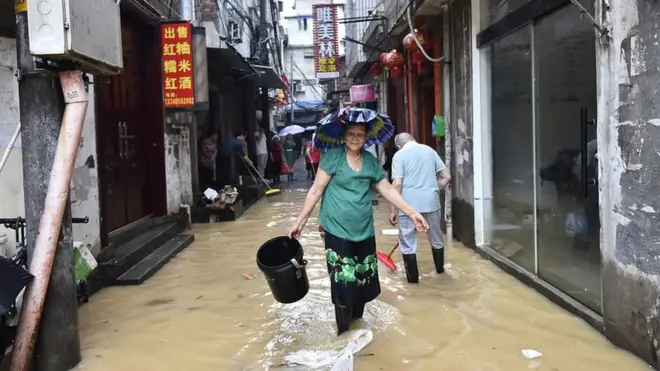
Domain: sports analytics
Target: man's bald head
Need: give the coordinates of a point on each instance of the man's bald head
(401, 139)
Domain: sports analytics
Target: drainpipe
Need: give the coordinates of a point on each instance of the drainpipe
(55, 204)
(448, 123)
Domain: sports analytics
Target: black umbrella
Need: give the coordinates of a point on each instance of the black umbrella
(14, 279)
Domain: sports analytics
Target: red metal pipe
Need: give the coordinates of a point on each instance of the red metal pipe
(41, 266)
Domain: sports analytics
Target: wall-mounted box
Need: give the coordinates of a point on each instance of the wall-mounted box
(86, 32)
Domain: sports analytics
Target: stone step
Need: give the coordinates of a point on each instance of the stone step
(146, 268)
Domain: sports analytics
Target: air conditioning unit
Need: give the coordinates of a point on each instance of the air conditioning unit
(300, 88)
(308, 54)
(87, 33)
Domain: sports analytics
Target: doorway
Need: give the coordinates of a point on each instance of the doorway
(543, 100)
(129, 123)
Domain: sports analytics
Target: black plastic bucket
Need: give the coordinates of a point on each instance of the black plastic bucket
(281, 261)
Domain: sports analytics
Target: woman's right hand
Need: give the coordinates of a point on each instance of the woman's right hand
(296, 230)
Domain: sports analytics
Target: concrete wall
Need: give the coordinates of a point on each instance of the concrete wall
(461, 123)
(313, 90)
(178, 176)
(84, 186)
(628, 139)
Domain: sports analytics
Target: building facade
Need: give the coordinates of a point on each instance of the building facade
(549, 109)
(103, 189)
(299, 49)
(136, 170)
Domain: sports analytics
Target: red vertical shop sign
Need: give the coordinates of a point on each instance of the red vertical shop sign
(178, 77)
(326, 41)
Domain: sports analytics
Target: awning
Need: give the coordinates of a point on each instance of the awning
(231, 57)
(266, 77)
(306, 105)
(305, 119)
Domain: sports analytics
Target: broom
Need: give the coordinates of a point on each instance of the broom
(270, 191)
(387, 259)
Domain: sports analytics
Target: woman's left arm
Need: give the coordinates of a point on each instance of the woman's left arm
(393, 196)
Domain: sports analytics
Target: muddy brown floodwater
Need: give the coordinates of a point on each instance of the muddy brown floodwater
(210, 309)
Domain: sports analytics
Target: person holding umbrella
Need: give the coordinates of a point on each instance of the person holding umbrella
(344, 180)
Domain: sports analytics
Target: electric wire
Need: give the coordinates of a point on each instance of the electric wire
(319, 95)
(419, 45)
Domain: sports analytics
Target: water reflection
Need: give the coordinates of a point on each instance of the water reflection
(201, 313)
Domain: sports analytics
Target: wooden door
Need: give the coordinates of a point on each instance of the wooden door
(121, 102)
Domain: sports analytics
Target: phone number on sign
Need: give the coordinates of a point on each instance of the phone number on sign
(179, 101)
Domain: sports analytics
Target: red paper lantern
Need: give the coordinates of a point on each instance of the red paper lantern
(387, 61)
(418, 59)
(396, 72)
(376, 69)
(383, 56)
(409, 41)
(394, 59)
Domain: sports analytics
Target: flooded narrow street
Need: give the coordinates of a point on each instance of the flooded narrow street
(210, 309)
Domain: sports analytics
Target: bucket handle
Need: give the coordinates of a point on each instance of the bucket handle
(297, 265)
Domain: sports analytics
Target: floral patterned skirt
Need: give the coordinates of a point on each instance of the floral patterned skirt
(353, 270)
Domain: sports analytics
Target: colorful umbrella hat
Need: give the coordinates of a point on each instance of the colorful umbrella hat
(331, 132)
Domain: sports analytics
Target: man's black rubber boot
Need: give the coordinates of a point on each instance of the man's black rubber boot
(358, 311)
(439, 260)
(412, 273)
(343, 318)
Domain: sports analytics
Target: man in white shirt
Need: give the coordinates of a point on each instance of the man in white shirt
(419, 174)
(262, 151)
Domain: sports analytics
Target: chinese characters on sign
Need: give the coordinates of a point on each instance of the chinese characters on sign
(326, 41)
(176, 40)
(362, 93)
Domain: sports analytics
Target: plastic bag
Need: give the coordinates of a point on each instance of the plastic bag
(336, 356)
(358, 341)
(285, 168)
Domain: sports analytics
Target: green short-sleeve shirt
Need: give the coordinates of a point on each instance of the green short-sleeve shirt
(346, 210)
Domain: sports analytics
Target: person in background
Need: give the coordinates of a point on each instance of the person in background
(232, 153)
(207, 155)
(419, 174)
(290, 156)
(313, 157)
(276, 158)
(308, 164)
(343, 182)
(244, 142)
(386, 159)
(261, 148)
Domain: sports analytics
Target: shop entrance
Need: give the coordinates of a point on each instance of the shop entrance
(130, 125)
(543, 115)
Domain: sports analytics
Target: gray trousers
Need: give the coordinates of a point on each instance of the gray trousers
(408, 233)
(262, 160)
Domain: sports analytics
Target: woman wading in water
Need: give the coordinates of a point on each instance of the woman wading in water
(344, 180)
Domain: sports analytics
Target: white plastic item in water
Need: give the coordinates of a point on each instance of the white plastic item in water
(358, 341)
(531, 354)
(336, 353)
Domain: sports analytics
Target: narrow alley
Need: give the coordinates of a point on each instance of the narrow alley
(210, 309)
